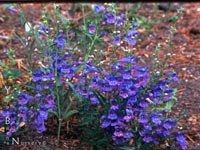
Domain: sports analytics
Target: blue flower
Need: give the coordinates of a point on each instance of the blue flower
(23, 113)
(132, 100)
(114, 104)
(49, 102)
(128, 135)
(147, 138)
(23, 98)
(98, 9)
(143, 118)
(127, 59)
(120, 20)
(60, 41)
(94, 100)
(143, 104)
(172, 75)
(13, 128)
(155, 117)
(116, 39)
(112, 115)
(105, 122)
(181, 141)
(130, 37)
(92, 28)
(37, 75)
(109, 18)
(169, 124)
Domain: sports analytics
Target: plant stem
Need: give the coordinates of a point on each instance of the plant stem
(59, 118)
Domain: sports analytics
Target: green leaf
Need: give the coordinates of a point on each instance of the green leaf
(11, 73)
(6, 6)
(72, 87)
(53, 112)
(173, 18)
(8, 98)
(81, 67)
(169, 105)
(68, 107)
(69, 113)
(58, 81)
(127, 148)
(3, 65)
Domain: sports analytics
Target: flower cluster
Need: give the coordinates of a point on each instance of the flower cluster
(131, 96)
(27, 111)
(116, 22)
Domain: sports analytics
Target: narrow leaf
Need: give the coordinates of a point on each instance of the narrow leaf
(69, 113)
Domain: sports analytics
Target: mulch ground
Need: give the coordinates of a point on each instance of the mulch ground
(185, 55)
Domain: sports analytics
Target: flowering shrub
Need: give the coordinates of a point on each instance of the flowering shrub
(135, 106)
(122, 104)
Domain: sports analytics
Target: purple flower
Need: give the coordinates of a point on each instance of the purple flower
(37, 75)
(109, 18)
(112, 115)
(132, 100)
(117, 67)
(43, 114)
(128, 118)
(23, 113)
(118, 140)
(158, 129)
(105, 122)
(132, 91)
(114, 104)
(155, 117)
(93, 98)
(134, 25)
(113, 82)
(60, 41)
(147, 127)
(39, 125)
(23, 98)
(143, 118)
(49, 102)
(181, 141)
(128, 135)
(120, 20)
(116, 39)
(118, 136)
(147, 138)
(127, 76)
(129, 115)
(92, 28)
(143, 104)
(130, 37)
(104, 86)
(84, 92)
(165, 133)
(118, 133)
(91, 68)
(127, 59)
(172, 75)
(44, 29)
(65, 68)
(12, 9)
(167, 97)
(13, 128)
(169, 124)
(98, 8)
